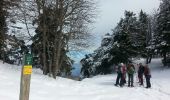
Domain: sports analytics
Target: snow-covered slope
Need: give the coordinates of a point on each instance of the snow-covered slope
(96, 88)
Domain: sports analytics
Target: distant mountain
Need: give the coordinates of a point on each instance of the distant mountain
(77, 56)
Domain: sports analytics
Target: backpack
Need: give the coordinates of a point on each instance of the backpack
(131, 70)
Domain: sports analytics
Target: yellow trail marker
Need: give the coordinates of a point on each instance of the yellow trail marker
(27, 69)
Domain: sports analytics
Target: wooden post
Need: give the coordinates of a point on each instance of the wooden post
(25, 77)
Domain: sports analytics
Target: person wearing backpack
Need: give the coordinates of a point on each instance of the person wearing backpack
(130, 71)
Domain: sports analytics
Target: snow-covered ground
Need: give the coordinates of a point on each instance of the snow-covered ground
(96, 88)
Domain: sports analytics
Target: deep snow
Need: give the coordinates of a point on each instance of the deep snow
(97, 88)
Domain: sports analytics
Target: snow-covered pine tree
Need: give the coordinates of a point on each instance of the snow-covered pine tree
(5, 6)
(145, 36)
(99, 61)
(163, 22)
(143, 30)
(116, 48)
(2, 26)
(127, 41)
(126, 37)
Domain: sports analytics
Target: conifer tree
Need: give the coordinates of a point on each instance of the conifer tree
(5, 6)
(163, 28)
(125, 36)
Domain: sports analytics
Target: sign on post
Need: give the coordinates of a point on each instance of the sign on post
(28, 59)
(26, 77)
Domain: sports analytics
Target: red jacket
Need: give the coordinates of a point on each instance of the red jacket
(123, 70)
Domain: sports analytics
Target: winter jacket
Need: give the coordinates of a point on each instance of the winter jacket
(131, 69)
(118, 70)
(141, 69)
(123, 69)
(147, 71)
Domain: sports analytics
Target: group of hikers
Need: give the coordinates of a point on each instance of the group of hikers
(123, 70)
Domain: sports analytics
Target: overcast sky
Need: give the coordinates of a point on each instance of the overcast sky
(110, 12)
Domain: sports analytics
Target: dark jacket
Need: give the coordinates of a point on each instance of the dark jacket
(131, 69)
(118, 69)
(141, 69)
(147, 71)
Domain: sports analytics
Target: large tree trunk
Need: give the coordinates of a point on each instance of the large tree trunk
(58, 38)
(43, 28)
(44, 52)
(50, 58)
(55, 57)
(44, 42)
(57, 54)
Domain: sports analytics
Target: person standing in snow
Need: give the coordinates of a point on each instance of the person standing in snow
(130, 71)
(140, 73)
(119, 79)
(124, 69)
(147, 74)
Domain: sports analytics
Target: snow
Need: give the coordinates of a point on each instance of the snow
(97, 88)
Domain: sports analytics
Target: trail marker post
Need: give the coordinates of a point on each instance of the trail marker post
(26, 77)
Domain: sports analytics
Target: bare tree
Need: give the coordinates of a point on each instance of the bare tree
(24, 14)
(61, 19)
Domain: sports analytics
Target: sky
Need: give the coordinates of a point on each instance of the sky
(110, 11)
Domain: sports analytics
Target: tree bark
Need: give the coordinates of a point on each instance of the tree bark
(44, 51)
(44, 40)
(49, 57)
(57, 50)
